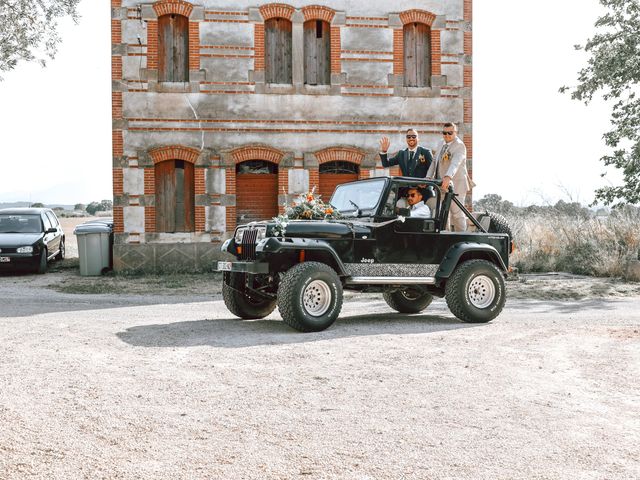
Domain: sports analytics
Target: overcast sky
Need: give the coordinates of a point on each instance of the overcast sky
(531, 144)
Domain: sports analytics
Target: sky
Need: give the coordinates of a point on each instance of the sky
(532, 145)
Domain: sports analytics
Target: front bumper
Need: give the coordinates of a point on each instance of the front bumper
(17, 260)
(243, 267)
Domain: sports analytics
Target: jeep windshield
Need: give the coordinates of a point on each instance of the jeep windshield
(364, 195)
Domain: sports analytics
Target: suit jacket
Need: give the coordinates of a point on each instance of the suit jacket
(452, 164)
(422, 161)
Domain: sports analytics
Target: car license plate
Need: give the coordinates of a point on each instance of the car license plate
(224, 266)
(5, 259)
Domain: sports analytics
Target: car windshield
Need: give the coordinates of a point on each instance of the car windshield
(350, 197)
(20, 223)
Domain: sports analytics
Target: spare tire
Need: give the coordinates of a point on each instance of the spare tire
(497, 223)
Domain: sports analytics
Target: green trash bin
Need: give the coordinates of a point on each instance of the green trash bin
(95, 241)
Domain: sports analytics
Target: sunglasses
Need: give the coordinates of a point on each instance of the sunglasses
(412, 195)
(412, 136)
(448, 133)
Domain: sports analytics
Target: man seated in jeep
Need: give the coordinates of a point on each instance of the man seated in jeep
(414, 203)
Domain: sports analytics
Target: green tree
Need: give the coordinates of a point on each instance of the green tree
(37, 204)
(613, 70)
(106, 205)
(80, 207)
(29, 29)
(93, 207)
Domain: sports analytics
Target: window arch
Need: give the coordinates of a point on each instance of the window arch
(173, 48)
(278, 50)
(417, 55)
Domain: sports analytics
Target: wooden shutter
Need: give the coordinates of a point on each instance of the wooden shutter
(278, 48)
(175, 198)
(173, 48)
(417, 55)
(317, 53)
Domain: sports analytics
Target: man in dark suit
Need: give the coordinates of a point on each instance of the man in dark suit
(414, 161)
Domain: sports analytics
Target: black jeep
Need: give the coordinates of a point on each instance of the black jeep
(373, 248)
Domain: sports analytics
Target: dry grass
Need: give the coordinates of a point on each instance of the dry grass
(586, 246)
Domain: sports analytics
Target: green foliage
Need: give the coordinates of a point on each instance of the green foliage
(103, 206)
(29, 29)
(613, 70)
(308, 206)
(80, 207)
(37, 205)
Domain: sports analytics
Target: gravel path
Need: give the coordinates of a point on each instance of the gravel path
(147, 386)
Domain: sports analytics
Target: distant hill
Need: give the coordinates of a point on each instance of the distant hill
(26, 204)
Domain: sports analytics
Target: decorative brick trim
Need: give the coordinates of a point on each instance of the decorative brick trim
(417, 16)
(199, 181)
(283, 185)
(150, 219)
(118, 181)
(258, 45)
(277, 10)
(436, 52)
(116, 67)
(230, 219)
(179, 7)
(318, 12)
(174, 152)
(116, 32)
(117, 141)
(118, 220)
(336, 47)
(314, 178)
(468, 10)
(149, 181)
(256, 153)
(344, 154)
(200, 219)
(468, 142)
(116, 3)
(116, 105)
(152, 45)
(194, 46)
(398, 51)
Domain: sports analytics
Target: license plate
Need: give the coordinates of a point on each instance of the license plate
(224, 266)
(5, 259)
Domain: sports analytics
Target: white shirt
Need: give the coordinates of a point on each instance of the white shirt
(420, 210)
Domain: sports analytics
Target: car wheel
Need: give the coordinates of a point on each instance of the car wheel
(408, 300)
(238, 303)
(42, 262)
(61, 252)
(475, 292)
(310, 297)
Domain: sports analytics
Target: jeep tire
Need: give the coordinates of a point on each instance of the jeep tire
(240, 304)
(475, 292)
(310, 297)
(408, 300)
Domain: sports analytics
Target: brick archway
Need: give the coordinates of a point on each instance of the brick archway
(174, 152)
(178, 7)
(345, 154)
(327, 181)
(257, 153)
(318, 12)
(417, 16)
(277, 10)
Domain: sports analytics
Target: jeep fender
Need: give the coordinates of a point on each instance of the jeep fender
(272, 245)
(452, 258)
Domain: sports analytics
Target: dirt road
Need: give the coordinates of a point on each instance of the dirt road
(148, 386)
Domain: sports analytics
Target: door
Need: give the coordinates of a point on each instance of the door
(417, 55)
(278, 50)
(256, 191)
(175, 197)
(317, 53)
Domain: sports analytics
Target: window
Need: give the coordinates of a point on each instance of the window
(175, 196)
(173, 48)
(417, 55)
(277, 45)
(317, 53)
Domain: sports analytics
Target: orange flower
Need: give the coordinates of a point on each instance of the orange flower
(309, 198)
(329, 211)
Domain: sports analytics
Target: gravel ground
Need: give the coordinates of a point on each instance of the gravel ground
(153, 386)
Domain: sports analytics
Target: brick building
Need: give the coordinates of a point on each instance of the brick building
(224, 110)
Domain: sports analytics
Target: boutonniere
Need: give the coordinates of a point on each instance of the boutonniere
(422, 159)
(446, 157)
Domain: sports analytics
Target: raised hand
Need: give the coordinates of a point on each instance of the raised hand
(385, 143)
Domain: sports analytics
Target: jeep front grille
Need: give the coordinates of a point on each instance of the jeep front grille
(249, 244)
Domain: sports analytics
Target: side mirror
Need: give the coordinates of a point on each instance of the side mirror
(51, 230)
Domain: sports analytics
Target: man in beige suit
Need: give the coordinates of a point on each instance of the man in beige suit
(450, 165)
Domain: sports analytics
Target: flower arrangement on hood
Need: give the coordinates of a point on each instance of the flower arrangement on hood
(308, 206)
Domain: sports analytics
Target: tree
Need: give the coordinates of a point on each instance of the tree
(93, 207)
(37, 204)
(29, 29)
(79, 207)
(106, 205)
(493, 203)
(613, 70)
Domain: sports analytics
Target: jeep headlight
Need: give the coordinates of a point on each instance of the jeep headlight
(262, 233)
(25, 250)
(239, 235)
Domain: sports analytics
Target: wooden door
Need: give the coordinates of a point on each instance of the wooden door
(317, 53)
(173, 48)
(278, 51)
(417, 55)
(175, 197)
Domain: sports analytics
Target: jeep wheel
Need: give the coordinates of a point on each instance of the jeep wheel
(310, 297)
(475, 292)
(408, 300)
(241, 305)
